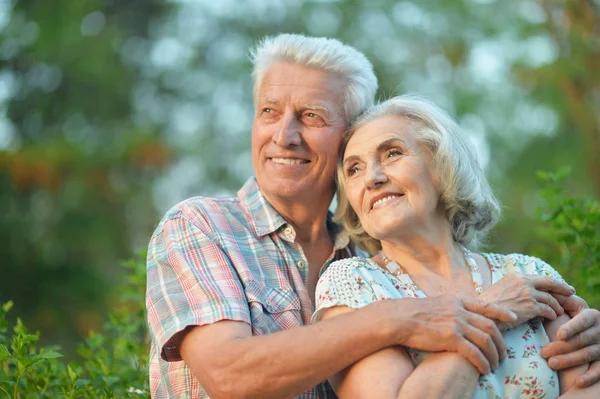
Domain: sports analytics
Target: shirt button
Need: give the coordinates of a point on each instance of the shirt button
(301, 264)
(288, 230)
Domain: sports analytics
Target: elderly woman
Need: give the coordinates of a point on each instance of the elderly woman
(412, 193)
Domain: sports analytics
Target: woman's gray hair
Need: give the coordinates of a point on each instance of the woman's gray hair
(469, 202)
(318, 52)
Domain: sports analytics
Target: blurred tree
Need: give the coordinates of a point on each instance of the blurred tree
(75, 172)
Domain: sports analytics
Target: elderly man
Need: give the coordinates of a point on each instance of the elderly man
(231, 280)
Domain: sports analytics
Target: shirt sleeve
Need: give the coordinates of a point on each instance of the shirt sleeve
(344, 283)
(190, 282)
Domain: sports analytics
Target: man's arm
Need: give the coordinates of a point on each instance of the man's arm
(390, 373)
(578, 341)
(229, 362)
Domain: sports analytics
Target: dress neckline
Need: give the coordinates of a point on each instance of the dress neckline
(392, 267)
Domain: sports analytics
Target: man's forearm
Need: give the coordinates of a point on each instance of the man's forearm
(286, 363)
(455, 377)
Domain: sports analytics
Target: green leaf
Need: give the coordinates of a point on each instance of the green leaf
(543, 175)
(4, 353)
(6, 386)
(82, 382)
(72, 374)
(49, 354)
(7, 306)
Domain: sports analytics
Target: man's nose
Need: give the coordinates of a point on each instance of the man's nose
(288, 133)
(375, 176)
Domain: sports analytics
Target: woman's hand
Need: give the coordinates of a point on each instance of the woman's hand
(528, 296)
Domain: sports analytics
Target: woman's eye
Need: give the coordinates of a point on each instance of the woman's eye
(393, 153)
(351, 171)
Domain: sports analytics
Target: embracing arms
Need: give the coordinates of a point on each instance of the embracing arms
(390, 373)
(230, 362)
(454, 376)
(197, 308)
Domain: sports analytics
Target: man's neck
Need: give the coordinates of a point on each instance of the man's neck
(308, 218)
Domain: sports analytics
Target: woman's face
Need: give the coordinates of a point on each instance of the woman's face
(390, 178)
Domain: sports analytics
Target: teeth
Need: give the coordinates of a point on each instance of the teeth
(288, 161)
(384, 199)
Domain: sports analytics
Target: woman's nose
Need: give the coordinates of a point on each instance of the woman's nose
(375, 176)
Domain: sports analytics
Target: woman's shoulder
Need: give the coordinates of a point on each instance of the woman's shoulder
(354, 264)
(518, 263)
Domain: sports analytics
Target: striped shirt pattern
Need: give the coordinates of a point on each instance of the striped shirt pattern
(213, 259)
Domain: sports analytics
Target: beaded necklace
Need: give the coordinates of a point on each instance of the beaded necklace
(396, 270)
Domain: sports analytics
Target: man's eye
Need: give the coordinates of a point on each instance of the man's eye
(267, 110)
(311, 114)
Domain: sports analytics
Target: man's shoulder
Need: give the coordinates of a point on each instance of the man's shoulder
(205, 212)
(201, 206)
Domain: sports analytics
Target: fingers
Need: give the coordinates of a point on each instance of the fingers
(489, 329)
(550, 284)
(548, 306)
(557, 348)
(571, 304)
(489, 310)
(470, 352)
(590, 377)
(581, 340)
(577, 358)
(581, 322)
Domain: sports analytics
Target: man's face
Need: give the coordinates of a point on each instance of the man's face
(297, 132)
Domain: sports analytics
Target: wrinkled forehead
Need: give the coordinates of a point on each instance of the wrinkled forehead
(369, 136)
(285, 81)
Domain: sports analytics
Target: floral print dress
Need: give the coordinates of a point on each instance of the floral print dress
(357, 282)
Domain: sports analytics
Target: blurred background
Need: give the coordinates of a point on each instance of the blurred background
(113, 111)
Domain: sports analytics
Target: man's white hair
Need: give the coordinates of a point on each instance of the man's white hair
(470, 204)
(318, 52)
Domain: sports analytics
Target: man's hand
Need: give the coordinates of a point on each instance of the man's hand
(579, 341)
(528, 296)
(463, 325)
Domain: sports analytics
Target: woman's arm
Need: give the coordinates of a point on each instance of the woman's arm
(390, 373)
(567, 378)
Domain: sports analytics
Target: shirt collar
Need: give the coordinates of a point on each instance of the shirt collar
(266, 220)
(263, 216)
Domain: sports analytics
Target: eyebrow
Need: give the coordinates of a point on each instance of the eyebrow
(315, 107)
(270, 100)
(384, 145)
(304, 106)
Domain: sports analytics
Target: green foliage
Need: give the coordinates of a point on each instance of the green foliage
(113, 362)
(575, 227)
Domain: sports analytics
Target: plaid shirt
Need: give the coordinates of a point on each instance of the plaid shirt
(213, 259)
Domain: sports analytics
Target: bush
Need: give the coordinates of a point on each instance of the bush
(575, 231)
(114, 363)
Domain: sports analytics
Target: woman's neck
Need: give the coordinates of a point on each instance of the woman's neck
(419, 254)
